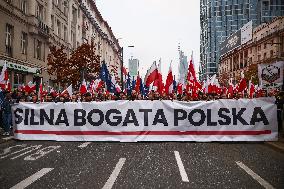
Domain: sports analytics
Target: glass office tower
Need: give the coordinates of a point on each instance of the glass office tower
(221, 18)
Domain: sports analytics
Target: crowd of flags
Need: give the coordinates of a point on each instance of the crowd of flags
(153, 80)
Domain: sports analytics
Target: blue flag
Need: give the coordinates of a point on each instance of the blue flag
(106, 77)
(142, 89)
(104, 74)
(174, 85)
(133, 83)
(128, 85)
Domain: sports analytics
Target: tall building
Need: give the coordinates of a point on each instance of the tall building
(29, 27)
(183, 66)
(221, 18)
(133, 66)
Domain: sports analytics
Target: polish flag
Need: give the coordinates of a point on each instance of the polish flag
(251, 89)
(137, 84)
(230, 88)
(191, 75)
(68, 90)
(4, 74)
(83, 88)
(40, 89)
(151, 74)
(243, 83)
(124, 71)
(117, 87)
(30, 87)
(158, 83)
(169, 81)
(8, 85)
(180, 88)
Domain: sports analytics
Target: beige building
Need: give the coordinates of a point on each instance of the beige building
(266, 46)
(29, 27)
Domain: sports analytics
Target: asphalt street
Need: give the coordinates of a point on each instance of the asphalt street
(48, 164)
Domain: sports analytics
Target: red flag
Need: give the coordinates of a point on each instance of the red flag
(83, 88)
(41, 90)
(179, 88)
(169, 81)
(138, 83)
(124, 71)
(242, 85)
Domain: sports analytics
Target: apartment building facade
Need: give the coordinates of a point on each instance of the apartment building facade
(266, 46)
(29, 27)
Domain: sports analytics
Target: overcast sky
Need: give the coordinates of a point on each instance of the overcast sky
(154, 27)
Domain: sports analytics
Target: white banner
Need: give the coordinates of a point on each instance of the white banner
(131, 121)
(271, 74)
(246, 33)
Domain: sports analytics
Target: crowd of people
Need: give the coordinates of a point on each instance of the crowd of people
(102, 95)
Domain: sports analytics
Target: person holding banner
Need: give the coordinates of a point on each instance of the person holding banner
(7, 114)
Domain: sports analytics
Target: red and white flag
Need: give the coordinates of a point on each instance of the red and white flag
(243, 83)
(4, 74)
(251, 89)
(40, 92)
(138, 83)
(30, 87)
(68, 90)
(83, 88)
(191, 75)
(169, 81)
(151, 74)
(158, 83)
(230, 88)
(8, 86)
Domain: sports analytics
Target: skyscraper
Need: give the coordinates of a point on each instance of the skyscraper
(183, 65)
(133, 65)
(221, 18)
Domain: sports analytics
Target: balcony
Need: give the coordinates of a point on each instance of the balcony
(37, 27)
(43, 28)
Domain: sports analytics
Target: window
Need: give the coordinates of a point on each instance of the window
(9, 1)
(58, 29)
(271, 53)
(264, 46)
(65, 33)
(39, 12)
(258, 57)
(74, 15)
(24, 43)
(259, 48)
(24, 6)
(8, 39)
(52, 22)
(65, 5)
(264, 56)
(59, 4)
(38, 49)
(19, 79)
(73, 37)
